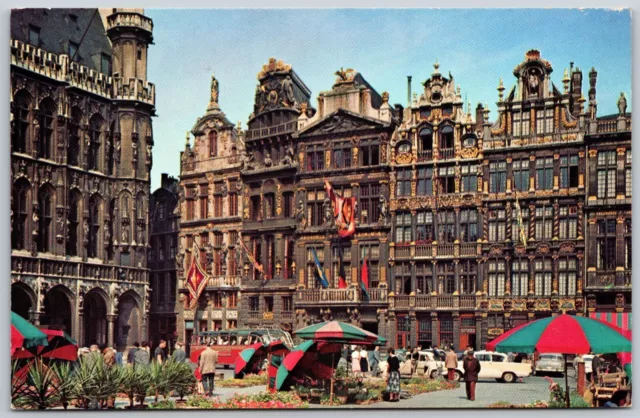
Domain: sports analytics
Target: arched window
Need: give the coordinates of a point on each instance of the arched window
(73, 148)
(213, 143)
(112, 217)
(94, 226)
(46, 118)
(21, 104)
(110, 154)
(95, 128)
(426, 139)
(73, 219)
(125, 206)
(446, 137)
(20, 215)
(140, 206)
(45, 221)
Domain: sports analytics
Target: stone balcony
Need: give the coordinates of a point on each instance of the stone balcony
(260, 133)
(336, 297)
(58, 269)
(224, 282)
(129, 20)
(434, 250)
(134, 89)
(609, 280)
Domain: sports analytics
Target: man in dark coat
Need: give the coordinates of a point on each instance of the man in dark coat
(471, 367)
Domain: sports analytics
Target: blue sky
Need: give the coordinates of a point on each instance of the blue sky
(478, 46)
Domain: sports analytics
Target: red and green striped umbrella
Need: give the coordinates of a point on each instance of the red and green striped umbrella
(566, 334)
(310, 356)
(25, 334)
(245, 357)
(336, 331)
(60, 347)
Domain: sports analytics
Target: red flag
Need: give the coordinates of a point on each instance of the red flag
(344, 211)
(342, 276)
(364, 280)
(196, 281)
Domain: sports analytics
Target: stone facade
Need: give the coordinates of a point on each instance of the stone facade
(81, 142)
(210, 208)
(468, 227)
(163, 240)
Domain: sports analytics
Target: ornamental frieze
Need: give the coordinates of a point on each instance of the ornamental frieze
(495, 305)
(542, 305)
(567, 305)
(404, 158)
(519, 305)
(567, 247)
(494, 332)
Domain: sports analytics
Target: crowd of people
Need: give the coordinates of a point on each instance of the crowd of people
(140, 354)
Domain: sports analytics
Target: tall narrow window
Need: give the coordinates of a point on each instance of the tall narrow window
(468, 277)
(544, 121)
(46, 123)
(289, 257)
(369, 203)
(425, 181)
(606, 170)
(287, 203)
(312, 272)
(497, 220)
(94, 226)
(20, 214)
(403, 228)
(544, 173)
(469, 225)
(34, 35)
(520, 277)
(403, 183)
(370, 153)
(269, 205)
(543, 277)
(497, 177)
(446, 180)
(544, 223)
(255, 208)
(496, 278)
(233, 204)
(74, 223)
(45, 220)
(569, 171)
(19, 136)
(315, 157)
(371, 253)
(516, 227)
(606, 245)
(342, 155)
(315, 199)
(627, 173)
(424, 227)
(628, 253)
(469, 177)
(568, 222)
(446, 223)
(425, 144)
(204, 201)
(213, 143)
(95, 128)
(73, 149)
(446, 142)
(446, 278)
(567, 268)
(521, 174)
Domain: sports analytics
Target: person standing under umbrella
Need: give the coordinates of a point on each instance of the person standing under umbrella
(472, 368)
(393, 382)
(355, 361)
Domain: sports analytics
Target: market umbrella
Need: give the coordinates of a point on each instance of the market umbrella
(25, 334)
(246, 356)
(305, 357)
(336, 331)
(566, 334)
(60, 346)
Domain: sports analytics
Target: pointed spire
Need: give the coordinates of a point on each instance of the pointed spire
(187, 143)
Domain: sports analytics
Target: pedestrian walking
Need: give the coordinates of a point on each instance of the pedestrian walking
(355, 362)
(364, 361)
(414, 356)
(393, 381)
(132, 353)
(471, 367)
(374, 361)
(141, 356)
(160, 355)
(451, 363)
(207, 363)
(198, 375)
(109, 356)
(179, 355)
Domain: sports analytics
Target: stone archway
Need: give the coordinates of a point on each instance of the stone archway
(95, 318)
(23, 300)
(129, 323)
(58, 311)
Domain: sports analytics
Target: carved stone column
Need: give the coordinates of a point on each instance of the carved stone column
(110, 329)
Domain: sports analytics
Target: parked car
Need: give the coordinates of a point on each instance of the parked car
(549, 363)
(427, 366)
(495, 366)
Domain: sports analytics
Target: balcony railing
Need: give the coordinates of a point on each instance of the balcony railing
(468, 249)
(281, 129)
(425, 155)
(446, 153)
(223, 281)
(445, 250)
(55, 269)
(287, 315)
(340, 296)
(467, 302)
(608, 279)
(254, 315)
(403, 251)
(129, 19)
(424, 250)
(401, 301)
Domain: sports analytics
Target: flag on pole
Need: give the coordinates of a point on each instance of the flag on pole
(196, 278)
(251, 258)
(320, 276)
(344, 211)
(364, 280)
(342, 276)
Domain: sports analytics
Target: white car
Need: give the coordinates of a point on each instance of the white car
(427, 366)
(588, 369)
(495, 366)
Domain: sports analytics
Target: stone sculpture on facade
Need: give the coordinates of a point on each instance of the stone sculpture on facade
(622, 105)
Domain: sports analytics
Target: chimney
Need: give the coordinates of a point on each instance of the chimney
(399, 111)
(164, 180)
(409, 90)
(576, 92)
(479, 117)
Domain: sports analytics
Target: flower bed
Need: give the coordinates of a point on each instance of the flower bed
(507, 405)
(249, 380)
(266, 400)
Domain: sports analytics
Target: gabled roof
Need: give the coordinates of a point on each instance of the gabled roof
(342, 120)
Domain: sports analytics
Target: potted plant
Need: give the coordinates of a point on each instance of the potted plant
(135, 383)
(40, 388)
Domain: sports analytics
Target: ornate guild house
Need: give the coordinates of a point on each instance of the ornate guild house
(81, 141)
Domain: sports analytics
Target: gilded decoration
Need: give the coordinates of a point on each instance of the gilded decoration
(404, 158)
(501, 126)
(606, 279)
(542, 305)
(567, 305)
(494, 332)
(543, 248)
(565, 122)
(519, 305)
(567, 247)
(471, 152)
(496, 250)
(495, 305)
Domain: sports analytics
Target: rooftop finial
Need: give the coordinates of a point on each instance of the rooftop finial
(436, 65)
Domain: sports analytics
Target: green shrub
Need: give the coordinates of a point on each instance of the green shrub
(165, 404)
